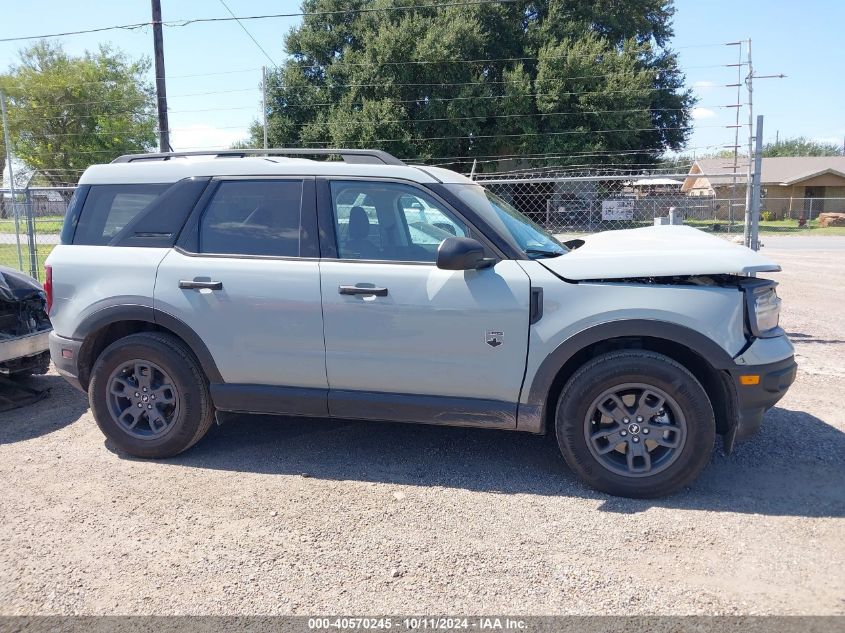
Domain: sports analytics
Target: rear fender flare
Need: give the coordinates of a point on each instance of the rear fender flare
(118, 313)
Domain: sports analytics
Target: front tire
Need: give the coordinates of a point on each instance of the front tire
(149, 395)
(635, 423)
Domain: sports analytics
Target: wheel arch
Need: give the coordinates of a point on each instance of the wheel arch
(703, 357)
(105, 326)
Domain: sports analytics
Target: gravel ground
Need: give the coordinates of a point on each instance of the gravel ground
(276, 516)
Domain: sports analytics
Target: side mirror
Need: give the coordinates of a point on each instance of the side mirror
(461, 253)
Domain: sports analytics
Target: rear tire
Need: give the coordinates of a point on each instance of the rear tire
(635, 423)
(149, 395)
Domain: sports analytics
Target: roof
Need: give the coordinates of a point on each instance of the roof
(784, 170)
(176, 169)
(656, 182)
(51, 194)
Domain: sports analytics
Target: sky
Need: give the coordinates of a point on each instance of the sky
(214, 69)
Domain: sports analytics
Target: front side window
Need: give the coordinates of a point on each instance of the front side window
(109, 208)
(253, 217)
(390, 221)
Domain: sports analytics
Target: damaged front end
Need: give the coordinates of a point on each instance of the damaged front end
(24, 324)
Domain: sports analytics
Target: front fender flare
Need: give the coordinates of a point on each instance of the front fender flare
(532, 412)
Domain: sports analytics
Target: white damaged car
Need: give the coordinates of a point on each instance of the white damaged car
(24, 325)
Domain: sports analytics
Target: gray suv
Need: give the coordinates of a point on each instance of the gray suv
(252, 281)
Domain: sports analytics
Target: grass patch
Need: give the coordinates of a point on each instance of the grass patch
(9, 257)
(46, 224)
(782, 227)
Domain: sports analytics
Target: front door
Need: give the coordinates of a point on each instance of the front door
(405, 340)
(246, 279)
(813, 201)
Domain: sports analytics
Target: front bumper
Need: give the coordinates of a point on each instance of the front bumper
(64, 353)
(23, 346)
(754, 399)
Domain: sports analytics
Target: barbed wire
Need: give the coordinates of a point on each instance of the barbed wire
(413, 121)
(396, 63)
(385, 84)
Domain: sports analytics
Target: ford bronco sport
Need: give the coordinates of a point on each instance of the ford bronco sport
(252, 281)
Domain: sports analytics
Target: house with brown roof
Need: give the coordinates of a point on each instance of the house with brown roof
(791, 187)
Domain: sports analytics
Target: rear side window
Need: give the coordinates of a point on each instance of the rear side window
(109, 208)
(250, 217)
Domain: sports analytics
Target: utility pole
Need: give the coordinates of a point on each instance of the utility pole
(161, 88)
(749, 84)
(752, 160)
(264, 101)
(755, 188)
(737, 107)
(8, 141)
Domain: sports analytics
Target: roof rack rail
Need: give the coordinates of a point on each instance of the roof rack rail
(360, 156)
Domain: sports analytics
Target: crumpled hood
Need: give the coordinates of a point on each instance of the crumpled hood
(656, 251)
(16, 286)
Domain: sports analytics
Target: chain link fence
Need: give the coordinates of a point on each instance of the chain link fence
(576, 205)
(572, 205)
(30, 225)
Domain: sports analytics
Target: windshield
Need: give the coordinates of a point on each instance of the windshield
(534, 241)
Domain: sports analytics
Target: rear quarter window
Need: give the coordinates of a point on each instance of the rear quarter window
(109, 208)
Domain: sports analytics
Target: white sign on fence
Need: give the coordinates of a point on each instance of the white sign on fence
(617, 209)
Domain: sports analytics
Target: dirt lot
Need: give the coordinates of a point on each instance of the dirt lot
(273, 516)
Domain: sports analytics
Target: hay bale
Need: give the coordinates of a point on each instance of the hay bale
(832, 219)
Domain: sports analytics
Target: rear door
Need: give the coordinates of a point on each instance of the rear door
(245, 277)
(404, 339)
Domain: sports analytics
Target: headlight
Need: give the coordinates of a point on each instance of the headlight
(764, 309)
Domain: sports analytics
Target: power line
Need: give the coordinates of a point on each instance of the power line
(426, 100)
(180, 23)
(266, 54)
(450, 119)
(472, 137)
(421, 100)
(414, 62)
(470, 158)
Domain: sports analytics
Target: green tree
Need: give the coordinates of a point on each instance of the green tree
(587, 79)
(66, 113)
(801, 146)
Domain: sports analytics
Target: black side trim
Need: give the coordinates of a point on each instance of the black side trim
(549, 368)
(67, 367)
(270, 399)
(404, 407)
(325, 220)
(755, 400)
(115, 314)
(535, 306)
(101, 318)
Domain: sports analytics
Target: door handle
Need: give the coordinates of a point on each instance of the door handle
(362, 290)
(190, 284)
